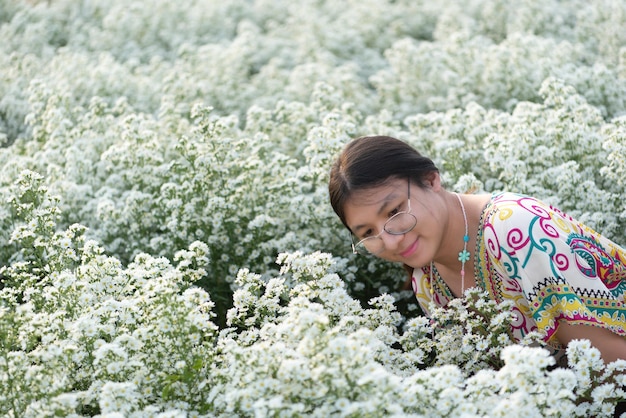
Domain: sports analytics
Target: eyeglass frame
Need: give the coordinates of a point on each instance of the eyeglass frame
(377, 236)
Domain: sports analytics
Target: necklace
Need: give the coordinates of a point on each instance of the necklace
(463, 255)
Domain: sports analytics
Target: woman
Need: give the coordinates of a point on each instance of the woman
(566, 280)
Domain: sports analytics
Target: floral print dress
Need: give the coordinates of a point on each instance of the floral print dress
(550, 265)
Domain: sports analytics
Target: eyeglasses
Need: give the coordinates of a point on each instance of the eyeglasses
(399, 224)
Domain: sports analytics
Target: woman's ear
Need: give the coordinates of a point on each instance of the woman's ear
(433, 180)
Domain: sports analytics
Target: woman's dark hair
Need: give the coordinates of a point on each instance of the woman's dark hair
(370, 161)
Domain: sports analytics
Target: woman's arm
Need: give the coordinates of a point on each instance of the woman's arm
(612, 346)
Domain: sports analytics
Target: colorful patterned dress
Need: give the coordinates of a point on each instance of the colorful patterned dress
(552, 266)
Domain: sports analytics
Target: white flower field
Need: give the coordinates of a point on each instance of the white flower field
(167, 247)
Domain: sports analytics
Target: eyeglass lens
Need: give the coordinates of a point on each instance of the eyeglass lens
(399, 224)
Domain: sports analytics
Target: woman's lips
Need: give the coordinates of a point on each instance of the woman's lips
(410, 250)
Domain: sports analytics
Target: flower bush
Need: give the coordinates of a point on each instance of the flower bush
(166, 243)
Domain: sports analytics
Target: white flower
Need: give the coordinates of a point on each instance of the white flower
(482, 345)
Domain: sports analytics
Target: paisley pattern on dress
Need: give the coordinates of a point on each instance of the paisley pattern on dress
(550, 265)
(594, 261)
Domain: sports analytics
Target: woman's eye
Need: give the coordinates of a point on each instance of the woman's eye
(367, 234)
(394, 211)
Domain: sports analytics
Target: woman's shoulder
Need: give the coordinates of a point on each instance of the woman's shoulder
(512, 199)
(514, 218)
(517, 216)
(504, 207)
(507, 207)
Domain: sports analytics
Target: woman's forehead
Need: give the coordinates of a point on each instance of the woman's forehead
(379, 194)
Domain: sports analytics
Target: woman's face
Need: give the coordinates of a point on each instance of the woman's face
(366, 212)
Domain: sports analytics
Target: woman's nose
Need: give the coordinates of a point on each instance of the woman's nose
(391, 240)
